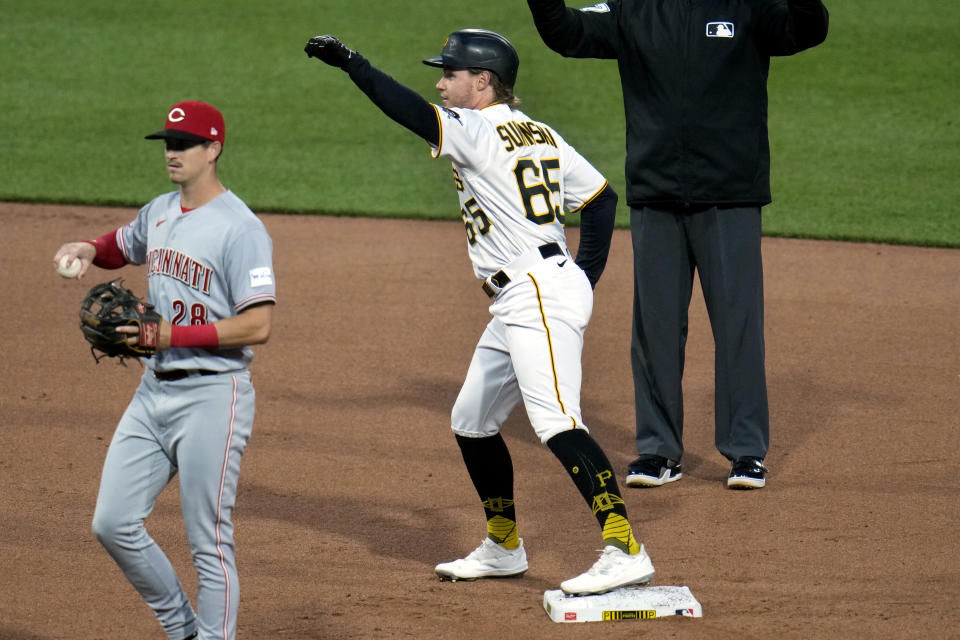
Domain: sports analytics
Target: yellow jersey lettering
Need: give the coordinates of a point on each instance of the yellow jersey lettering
(515, 134)
(549, 136)
(524, 128)
(524, 134)
(537, 133)
(507, 136)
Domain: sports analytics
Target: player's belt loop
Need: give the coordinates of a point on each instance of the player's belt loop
(492, 285)
(495, 283)
(549, 250)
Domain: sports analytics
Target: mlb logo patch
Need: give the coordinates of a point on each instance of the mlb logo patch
(453, 115)
(262, 277)
(719, 29)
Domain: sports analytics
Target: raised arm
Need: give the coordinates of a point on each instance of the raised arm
(785, 28)
(402, 104)
(576, 33)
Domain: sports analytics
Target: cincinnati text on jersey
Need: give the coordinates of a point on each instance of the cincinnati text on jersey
(169, 262)
(524, 134)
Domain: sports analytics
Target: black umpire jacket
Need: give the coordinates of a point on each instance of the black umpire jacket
(694, 77)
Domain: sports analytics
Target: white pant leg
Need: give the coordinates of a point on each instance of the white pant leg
(490, 391)
(546, 316)
(531, 351)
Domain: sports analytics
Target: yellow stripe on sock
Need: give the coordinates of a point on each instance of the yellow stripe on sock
(503, 531)
(617, 532)
(497, 504)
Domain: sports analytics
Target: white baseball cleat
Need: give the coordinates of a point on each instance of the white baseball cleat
(615, 568)
(489, 560)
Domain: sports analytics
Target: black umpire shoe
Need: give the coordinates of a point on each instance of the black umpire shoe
(652, 471)
(747, 472)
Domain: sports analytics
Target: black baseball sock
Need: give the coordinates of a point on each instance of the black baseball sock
(587, 464)
(491, 470)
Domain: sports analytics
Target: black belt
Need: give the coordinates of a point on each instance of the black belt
(501, 279)
(180, 374)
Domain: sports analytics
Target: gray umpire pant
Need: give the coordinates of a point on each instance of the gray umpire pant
(723, 246)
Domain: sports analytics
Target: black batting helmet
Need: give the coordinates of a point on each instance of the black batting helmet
(479, 49)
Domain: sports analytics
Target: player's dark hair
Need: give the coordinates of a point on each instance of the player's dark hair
(501, 92)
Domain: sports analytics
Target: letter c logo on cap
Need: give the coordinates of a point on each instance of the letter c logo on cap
(176, 115)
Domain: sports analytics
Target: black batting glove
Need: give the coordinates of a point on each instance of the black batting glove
(329, 49)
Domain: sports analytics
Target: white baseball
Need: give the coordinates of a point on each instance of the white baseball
(69, 269)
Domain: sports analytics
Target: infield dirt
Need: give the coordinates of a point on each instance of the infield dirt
(352, 486)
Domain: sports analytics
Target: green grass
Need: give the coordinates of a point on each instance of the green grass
(864, 128)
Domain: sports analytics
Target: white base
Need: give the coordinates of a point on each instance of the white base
(626, 603)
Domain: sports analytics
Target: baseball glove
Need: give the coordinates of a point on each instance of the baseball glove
(111, 305)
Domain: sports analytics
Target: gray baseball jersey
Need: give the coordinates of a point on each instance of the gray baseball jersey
(201, 268)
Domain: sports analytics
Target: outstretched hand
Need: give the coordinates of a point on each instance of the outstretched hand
(328, 49)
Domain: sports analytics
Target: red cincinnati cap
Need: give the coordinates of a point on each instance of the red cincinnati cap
(192, 120)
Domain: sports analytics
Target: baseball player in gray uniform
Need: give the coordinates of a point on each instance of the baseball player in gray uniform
(516, 179)
(210, 276)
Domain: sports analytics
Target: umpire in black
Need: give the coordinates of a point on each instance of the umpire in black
(694, 77)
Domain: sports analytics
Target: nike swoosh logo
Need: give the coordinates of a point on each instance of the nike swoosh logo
(560, 264)
(160, 222)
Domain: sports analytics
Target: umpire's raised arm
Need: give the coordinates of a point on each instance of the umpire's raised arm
(576, 33)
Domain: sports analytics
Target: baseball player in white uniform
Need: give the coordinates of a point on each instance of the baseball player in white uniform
(516, 179)
(210, 275)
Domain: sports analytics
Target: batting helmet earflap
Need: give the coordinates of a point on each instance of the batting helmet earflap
(480, 49)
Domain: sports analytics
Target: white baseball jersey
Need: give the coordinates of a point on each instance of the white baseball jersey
(203, 265)
(516, 178)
